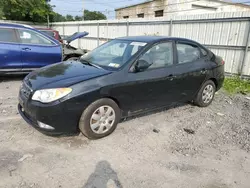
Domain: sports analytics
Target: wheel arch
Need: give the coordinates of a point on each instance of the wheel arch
(114, 99)
(215, 82)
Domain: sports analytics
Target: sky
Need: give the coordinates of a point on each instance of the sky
(75, 7)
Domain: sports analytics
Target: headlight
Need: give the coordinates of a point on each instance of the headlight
(50, 95)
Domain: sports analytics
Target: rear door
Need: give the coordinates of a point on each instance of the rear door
(191, 70)
(38, 50)
(10, 54)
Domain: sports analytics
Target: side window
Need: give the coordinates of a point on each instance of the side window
(7, 35)
(32, 37)
(159, 56)
(187, 53)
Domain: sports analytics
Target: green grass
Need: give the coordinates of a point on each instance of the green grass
(236, 85)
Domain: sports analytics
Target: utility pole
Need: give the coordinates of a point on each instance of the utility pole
(48, 19)
(83, 10)
(107, 13)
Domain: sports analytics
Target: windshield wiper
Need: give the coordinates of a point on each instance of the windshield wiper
(91, 64)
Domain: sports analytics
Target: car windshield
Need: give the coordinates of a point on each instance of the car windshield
(113, 54)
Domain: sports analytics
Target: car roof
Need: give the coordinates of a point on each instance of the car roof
(15, 25)
(149, 39)
(23, 26)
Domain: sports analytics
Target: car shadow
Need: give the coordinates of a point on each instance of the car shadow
(189, 105)
(7, 78)
(102, 175)
(158, 110)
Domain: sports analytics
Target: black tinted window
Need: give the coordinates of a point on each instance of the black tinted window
(7, 35)
(187, 53)
(50, 33)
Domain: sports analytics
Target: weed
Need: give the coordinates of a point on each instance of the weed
(236, 85)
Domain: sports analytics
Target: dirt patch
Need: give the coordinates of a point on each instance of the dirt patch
(185, 146)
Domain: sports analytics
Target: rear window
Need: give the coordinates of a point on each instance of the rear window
(50, 33)
(7, 35)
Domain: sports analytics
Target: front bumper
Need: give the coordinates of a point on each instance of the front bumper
(34, 123)
(62, 116)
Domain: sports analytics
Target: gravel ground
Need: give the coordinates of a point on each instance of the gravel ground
(186, 146)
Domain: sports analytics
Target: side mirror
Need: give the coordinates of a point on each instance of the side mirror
(141, 65)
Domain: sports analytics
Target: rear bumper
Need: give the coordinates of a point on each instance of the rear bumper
(220, 81)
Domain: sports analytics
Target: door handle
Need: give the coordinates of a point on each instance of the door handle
(203, 71)
(26, 49)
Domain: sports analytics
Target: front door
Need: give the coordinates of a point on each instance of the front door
(153, 87)
(37, 50)
(10, 54)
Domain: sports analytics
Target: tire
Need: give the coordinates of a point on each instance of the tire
(205, 96)
(90, 118)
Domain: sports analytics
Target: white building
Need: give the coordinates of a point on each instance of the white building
(163, 8)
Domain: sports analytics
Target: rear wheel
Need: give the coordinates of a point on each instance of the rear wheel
(206, 94)
(100, 119)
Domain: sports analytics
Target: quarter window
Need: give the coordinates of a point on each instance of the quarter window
(50, 33)
(187, 53)
(31, 37)
(159, 56)
(7, 35)
(204, 52)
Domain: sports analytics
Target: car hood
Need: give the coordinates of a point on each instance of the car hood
(63, 74)
(75, 36)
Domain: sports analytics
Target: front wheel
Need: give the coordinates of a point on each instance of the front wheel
(100, 118)
(206, 94)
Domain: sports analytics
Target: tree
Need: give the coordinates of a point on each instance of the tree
(58, 18)
(26, 10)
(78, 18)
(38, 11)
(69, 17)
(94, 15)
(1, 13)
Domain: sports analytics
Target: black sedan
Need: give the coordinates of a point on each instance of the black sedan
(121, 78)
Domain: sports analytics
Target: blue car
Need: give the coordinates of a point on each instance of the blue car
(23, 49)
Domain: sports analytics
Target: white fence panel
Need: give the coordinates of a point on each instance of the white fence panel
(246, 67)
(226, 34)
(91, 29)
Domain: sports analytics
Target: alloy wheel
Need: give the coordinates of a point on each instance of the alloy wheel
(208, 94)
(102, 119)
